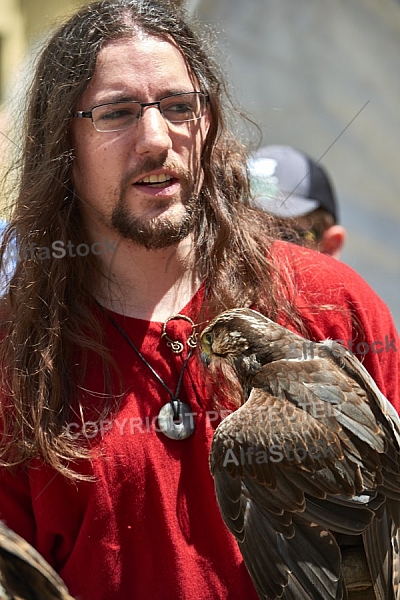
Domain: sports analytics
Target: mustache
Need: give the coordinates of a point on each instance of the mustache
(152, 164)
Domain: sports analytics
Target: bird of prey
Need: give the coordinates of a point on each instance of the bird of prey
(24, 573)
(311, 456)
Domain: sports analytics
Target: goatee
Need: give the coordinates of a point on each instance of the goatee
(158, 233)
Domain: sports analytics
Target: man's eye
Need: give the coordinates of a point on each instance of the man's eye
(178, 108)
(121, 113)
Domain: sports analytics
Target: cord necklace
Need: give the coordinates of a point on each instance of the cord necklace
(175, 419)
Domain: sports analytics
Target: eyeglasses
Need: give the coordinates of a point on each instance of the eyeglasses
(116, 116)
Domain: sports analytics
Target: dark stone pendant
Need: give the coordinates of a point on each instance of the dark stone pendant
(176, 423)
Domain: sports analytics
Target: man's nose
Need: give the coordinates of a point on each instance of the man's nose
(153, 132)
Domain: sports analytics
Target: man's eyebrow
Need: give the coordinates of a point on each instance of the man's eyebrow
(115, 98)
(123, 97)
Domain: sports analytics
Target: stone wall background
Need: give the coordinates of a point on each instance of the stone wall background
(324, 76)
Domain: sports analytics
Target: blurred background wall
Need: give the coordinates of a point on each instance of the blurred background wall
(322, 75)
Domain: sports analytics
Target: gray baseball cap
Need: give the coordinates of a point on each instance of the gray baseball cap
(288, 183)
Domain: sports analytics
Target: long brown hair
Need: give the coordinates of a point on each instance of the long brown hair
(46, 317)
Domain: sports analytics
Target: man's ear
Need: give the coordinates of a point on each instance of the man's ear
(332, 241)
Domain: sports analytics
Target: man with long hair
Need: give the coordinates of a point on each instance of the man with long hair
(134, 227)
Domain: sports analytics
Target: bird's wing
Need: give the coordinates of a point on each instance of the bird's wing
(346, 361)
(382, 538)
(25, 573)
(338, 390)
(266, 459)
(324, 389)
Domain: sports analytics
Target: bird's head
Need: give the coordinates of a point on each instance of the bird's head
(224, 337)
(223, 346)
(244, 338)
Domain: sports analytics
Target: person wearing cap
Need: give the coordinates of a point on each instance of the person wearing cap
(297, 190)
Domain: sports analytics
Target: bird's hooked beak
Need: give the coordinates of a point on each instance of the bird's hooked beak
(205, 359)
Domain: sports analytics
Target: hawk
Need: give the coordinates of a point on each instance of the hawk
(311, 457)
(24, 573)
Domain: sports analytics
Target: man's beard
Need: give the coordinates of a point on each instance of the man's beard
(159, 232)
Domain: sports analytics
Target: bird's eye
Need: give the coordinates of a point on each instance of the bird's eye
(208, 339)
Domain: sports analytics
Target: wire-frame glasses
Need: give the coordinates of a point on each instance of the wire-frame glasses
(116, 116)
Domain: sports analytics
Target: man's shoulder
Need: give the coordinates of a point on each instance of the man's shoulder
(333, 299)
(311, 270)
(301, 256)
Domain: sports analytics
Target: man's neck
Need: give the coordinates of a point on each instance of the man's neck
(148, 284)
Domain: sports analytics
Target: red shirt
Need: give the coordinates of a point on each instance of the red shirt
(149, 527)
